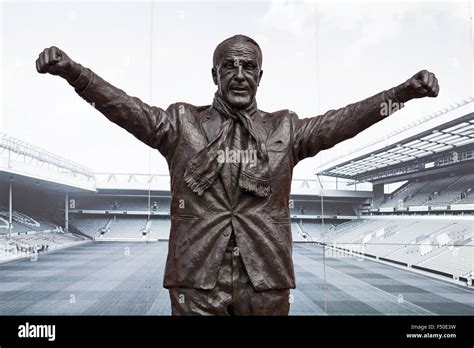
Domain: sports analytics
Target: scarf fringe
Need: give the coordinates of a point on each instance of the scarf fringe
(195, 182)
(258, 187)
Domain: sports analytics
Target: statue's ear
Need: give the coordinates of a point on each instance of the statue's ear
(260, 77)
(214, 75)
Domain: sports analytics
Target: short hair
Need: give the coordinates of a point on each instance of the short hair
(236, 38)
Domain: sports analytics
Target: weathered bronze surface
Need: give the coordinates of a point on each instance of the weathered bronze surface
(224, 198)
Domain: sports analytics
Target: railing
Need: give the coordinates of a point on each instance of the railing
(19, 147)
(416, 123)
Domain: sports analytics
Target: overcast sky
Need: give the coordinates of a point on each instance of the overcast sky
(316, 57)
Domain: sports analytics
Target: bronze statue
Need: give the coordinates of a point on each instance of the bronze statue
(231, 164)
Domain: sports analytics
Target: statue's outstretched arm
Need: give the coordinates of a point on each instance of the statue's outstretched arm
(152, 125)
(314, 134)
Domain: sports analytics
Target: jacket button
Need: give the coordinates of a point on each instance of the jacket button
(226, 233)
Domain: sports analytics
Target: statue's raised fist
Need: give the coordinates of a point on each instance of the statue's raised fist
(423, 84)
(54, 61)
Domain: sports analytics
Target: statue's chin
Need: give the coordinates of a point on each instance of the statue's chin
(239, 102)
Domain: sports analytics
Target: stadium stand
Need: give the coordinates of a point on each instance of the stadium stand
(89, 224)
(443, 245)
(121, 203)
(315, 208)
(454, 189)
(94, 216)
(22, 222)
(28, 244)
(467, 199)
(452, 192)
(431, 186)
(160, 228)
(297, 234)
(458, 261)
(315, 229)
(434, 244)
(400, 233)
(116, 227)
(465, 190)
(409, 189)
(125, 228)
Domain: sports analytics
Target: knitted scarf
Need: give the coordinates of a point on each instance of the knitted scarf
(203, 168)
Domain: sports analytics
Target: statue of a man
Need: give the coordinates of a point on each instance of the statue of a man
(231, 164)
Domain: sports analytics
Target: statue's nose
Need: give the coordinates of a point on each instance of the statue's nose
(239, 75)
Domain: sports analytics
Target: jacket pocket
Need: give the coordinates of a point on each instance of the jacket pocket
(277, 146)
(280, 221)
(184, 217)
(182, 226)
(282, 230)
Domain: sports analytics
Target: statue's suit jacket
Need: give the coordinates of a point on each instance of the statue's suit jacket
(201, 225)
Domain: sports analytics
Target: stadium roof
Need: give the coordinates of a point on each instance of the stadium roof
(20, 147)
(447, 136)
(25, 162)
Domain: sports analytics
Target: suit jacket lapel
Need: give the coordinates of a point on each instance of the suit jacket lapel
(211, 124)
(260, 126)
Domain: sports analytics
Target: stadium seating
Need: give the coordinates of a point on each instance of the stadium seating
(469, 199)
(22, 222)
(432, 191)
(316, 208)
(297, 233)
(125, 227)
(315, 230)
(431, 186)
(403, 233)
(352, 231)
(466, 195)
(160, 228)
(422, 242)
(122, 203)
(440, 242)
(88, 224)
(407, 190)
(452, 192)
(33, 243)
(121, 226)
(457, 260)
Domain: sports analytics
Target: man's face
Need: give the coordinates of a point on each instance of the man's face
(238, 74)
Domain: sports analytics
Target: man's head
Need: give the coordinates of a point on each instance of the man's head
(237, 70)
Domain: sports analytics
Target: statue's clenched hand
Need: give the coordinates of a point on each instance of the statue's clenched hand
(422, 84)
(54, 61)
